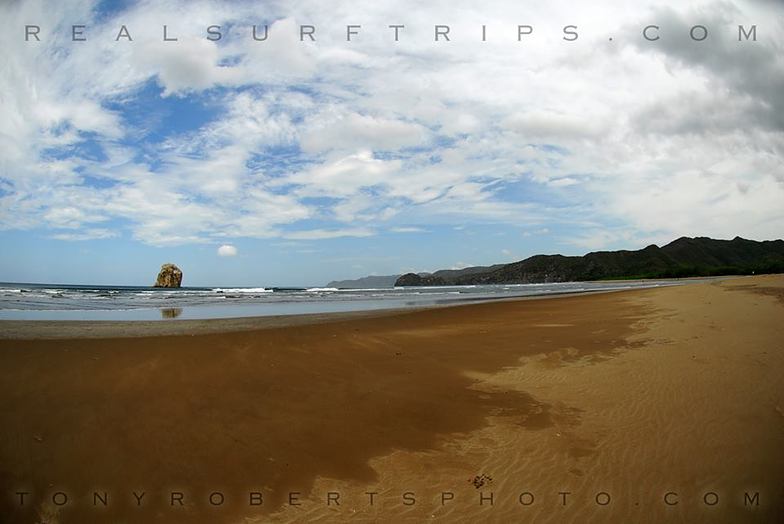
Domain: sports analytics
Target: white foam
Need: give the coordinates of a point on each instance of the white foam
(242, 290)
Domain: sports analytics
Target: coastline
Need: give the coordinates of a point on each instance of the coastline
(88, 304)
(69, 329)
(635, 394)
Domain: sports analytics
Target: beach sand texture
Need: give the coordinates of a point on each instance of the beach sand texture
(632, 394)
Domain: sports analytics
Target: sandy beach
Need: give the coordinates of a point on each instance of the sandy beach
(655, 405)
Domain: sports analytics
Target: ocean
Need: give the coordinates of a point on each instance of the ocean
(84, 302)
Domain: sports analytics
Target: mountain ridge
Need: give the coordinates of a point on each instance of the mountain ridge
(683, 257)
(368, 282)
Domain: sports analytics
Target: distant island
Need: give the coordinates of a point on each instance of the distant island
(370, 282)
(684, 257)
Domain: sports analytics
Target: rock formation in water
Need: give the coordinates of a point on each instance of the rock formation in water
(169, 276)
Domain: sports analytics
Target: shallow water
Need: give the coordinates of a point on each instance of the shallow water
(78, 302)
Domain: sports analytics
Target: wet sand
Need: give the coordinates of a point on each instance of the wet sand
(548, 408)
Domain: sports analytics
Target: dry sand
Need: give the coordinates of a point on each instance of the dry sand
(627, 396)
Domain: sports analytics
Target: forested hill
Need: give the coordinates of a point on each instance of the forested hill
(684, 257)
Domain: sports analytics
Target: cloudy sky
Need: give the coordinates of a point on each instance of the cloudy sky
(288, 162)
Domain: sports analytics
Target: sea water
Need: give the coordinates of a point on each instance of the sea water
(85, 302)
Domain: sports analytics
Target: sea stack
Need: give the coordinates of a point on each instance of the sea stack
(169, 276)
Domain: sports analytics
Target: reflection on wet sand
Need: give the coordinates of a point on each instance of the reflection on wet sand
(171, 312)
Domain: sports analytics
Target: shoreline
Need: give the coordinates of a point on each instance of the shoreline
(71, 329)
(77, 329)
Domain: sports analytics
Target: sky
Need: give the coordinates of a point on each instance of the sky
(295, 162)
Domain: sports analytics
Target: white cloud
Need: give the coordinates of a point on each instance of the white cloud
(334, 128)
(320, 234)
(227, 250)
(343, 175)
(87, 234)
(538, 125)
(191, 64)
(661, 140)
(563, 182)
(408, 229)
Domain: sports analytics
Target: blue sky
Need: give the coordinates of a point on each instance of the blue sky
(334, 159)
